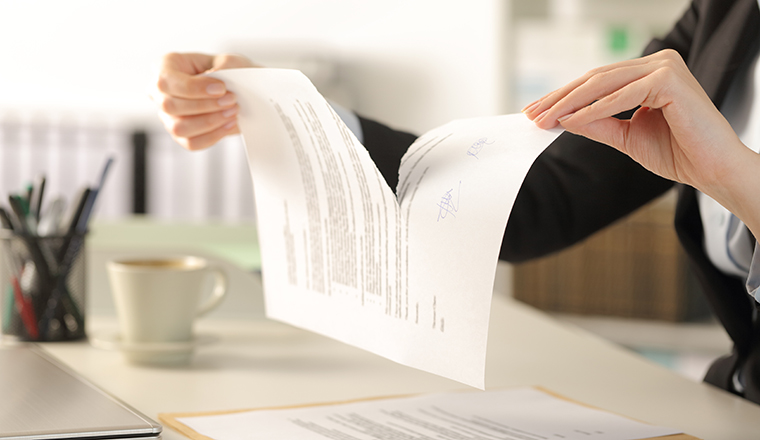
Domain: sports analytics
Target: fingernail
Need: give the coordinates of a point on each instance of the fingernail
(229, 125)
(215, 89)
(541, 116)
(226, 100)
(530, 107)
(566, 117)
(229, 112)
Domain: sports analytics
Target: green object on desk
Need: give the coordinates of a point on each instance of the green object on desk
(235, 242)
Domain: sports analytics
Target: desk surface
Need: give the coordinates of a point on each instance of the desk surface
(260, 363)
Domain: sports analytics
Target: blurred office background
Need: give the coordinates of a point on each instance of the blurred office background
(76, 76)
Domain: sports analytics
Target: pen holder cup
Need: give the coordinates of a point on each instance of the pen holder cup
(42, 287)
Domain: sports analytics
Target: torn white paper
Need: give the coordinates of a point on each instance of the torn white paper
(519, 414)
(409, 280)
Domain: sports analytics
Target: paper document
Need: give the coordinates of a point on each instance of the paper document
(519, 414)
(409, 278)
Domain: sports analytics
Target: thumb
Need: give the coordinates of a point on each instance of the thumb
(179, 77)
(609, 131)
(230, 61)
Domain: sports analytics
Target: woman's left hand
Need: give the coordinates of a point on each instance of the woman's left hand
(677, 132)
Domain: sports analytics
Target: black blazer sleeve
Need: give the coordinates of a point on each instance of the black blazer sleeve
(575, 188)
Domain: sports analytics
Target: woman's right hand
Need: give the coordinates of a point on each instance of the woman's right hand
(196, 110)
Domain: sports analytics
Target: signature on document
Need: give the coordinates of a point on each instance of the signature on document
(448, 205)
(477, 146)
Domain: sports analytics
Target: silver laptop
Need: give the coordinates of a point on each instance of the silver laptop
(41, 399)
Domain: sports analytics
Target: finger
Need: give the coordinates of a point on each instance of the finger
(552, 98)
(191, 107)
(608, 131)
(529, 108)
(209, 139)
(643, 91)
(539, 107)
(192, 126)
(617, 134)
(646, 138)
(604, 91)
(179, 77)
(186, 86)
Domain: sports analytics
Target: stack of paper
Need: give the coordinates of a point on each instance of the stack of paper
(518, 414)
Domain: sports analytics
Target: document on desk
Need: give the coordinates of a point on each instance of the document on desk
(408, 277)
(516, 414)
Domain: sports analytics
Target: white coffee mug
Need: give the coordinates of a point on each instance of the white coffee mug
(157, 301)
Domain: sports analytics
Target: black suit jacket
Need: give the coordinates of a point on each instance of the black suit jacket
(577, 186)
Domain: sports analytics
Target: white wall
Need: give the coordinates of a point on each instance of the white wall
(441, 58)
(574, 36)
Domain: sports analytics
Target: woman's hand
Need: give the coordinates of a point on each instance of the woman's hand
(676, 133)
(196, 110)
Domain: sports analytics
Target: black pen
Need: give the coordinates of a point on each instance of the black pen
(70, 222)
(60, 304)
(35, 201)
(5, 219)
(60, 296)
(90, 204)
(41, 264)
(77, 227)
(19, 211)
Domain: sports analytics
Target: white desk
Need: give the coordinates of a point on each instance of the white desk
(262, 363)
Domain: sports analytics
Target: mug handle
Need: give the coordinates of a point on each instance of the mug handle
(220, 289)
